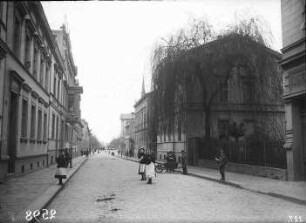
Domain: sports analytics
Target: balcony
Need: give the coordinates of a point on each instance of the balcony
(75, 90)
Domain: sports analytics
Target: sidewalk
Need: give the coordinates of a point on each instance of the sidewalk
(294, 191)
(32, 191)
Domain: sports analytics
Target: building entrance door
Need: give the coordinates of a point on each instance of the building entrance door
(13, 120)
(192, 150)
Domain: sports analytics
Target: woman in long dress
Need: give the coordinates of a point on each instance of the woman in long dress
(150, 167)
(62, 164)
(142, 165)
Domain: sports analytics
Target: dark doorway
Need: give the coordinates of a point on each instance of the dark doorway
(192, 151)
(12, 139)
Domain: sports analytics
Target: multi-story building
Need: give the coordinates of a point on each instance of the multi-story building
(293, 65)
(32, 90)
(127, 134)
(141, 133)
(3, 52)
(84, 146)
(236, 111)
(71, 125)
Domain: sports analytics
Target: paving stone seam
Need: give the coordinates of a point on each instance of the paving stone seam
(271, 194)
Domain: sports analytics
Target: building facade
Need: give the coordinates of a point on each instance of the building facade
(127, 144)
(293, 65)
(85, 145)
(236, 113)
(33, 103)
(141, 133)
(71, 125)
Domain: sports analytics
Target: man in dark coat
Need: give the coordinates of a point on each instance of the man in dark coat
(184, 162)
(171, 161)
(222, 161)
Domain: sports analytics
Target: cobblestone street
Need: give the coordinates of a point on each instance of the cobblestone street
(107, 189)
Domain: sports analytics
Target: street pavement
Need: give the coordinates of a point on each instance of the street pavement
(31, 191)
(108, 189)
(294, 191)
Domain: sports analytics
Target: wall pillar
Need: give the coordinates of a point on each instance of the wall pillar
(31, 55)
(22, 40)
(37, 65)
(293, 146)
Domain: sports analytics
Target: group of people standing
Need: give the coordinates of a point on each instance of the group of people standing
(171, 162)
(147, 164)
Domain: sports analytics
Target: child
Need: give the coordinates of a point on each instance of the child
(150, 167)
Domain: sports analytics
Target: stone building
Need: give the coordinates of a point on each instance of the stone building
(85, 144)
(236, 113)
(293, 65)
(141, 121)
(33, 103)
(71, 125)
(127, 134)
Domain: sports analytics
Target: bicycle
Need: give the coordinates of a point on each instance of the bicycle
(160, 167)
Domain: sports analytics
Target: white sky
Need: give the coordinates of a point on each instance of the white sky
(112, 44)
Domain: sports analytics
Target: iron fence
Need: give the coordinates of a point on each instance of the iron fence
(262, 153)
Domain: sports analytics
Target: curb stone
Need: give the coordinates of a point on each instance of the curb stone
(45, 199)
(271, 194)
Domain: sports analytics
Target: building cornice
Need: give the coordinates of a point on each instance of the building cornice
(293, 45)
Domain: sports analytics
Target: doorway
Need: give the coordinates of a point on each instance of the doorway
(12, 139)
(193, 146)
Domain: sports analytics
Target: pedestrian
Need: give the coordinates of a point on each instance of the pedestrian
(142, 165)
(184, 162)
(167, 165)
(171, 161)
(62, 164)
(222, 161)
(68, 157)
(149, 160)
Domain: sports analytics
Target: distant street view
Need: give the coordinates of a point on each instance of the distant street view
(116, 194)
(153, 111)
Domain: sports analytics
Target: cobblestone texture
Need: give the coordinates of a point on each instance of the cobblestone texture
(108, 189)
(18, 193)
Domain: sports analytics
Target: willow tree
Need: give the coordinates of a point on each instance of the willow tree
(197, 54)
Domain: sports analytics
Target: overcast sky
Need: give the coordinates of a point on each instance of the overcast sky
(112, 43)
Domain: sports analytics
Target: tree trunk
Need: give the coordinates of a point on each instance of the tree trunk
(207, 123)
